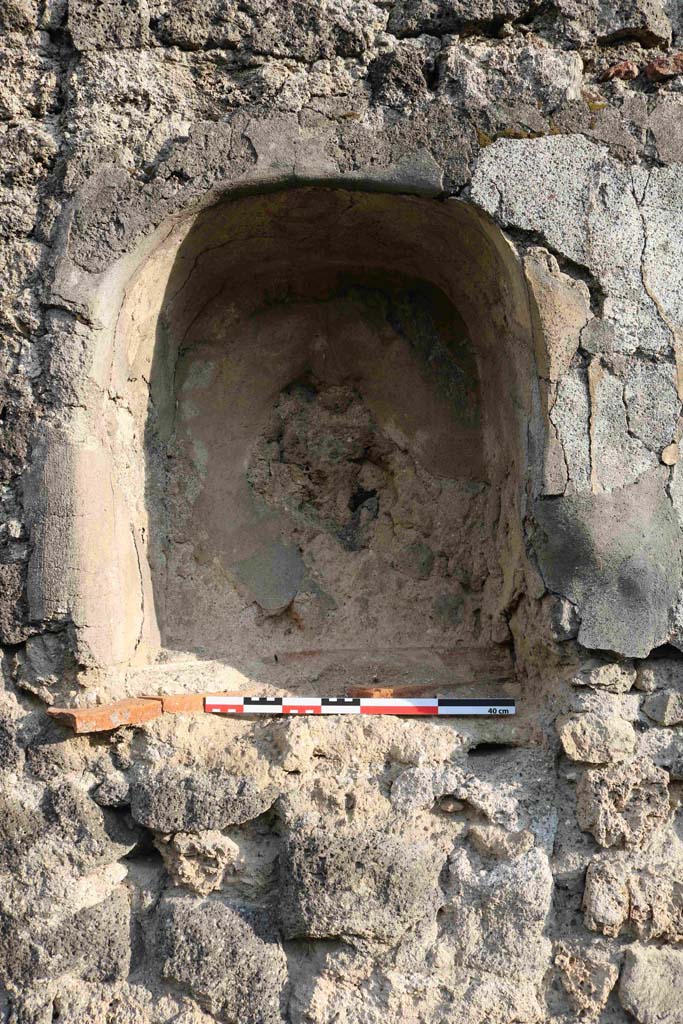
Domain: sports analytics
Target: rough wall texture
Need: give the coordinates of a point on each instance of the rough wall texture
(166, 161)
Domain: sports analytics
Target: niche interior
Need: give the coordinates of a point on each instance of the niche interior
(324, 444)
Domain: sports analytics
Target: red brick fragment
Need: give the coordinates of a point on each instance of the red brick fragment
(106, 717)
(662, 68)
(416, 690)
(627, 70)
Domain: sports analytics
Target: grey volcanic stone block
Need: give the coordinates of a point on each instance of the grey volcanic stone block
(411, 17)
(228, 958)
(356, 883)
(665, 707)
(107, 25)
(174, 799)
(94, 944)
(11, 604)
(616, 556)
(19, 830)
(11, 753)
(272, 575)
(650, 985)
(653, 404)
(90, 835)
(114, 791)
(644, 20)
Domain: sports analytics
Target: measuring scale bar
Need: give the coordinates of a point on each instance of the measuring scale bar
(359, 706)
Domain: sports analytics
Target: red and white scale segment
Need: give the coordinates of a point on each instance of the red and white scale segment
(358, 706)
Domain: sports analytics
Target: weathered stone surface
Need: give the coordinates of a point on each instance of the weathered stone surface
(579, 171)
(606, 895)
(659, 674)
(12, 604)
(525, 81)
(473, 997)
(675, 16)
(636, 894)
(411, 17)
(113, 791)
(419, 788)
(299, 32)
(88, 835)
(611, 555)
(664, 746)
(563, 306)
(109, 25)
(665, 707)
(12, 756)
(493, 841)
(605, 703)
(176, 799)
(649, 985)
(19, 16)
(95, 943)
(46, 667)
(664, 276)
(624, 804)
(514, 899)
(614, 444)
(227, 957)
(652, 403)
(370, 885)
(596, 739)
(588, 976)
(199, 862)
(569, 415)
(666, 128)
(640, 19)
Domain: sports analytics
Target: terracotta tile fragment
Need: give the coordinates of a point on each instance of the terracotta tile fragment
(106, 717)
(416, 690)
(664, 67)
(626, 70)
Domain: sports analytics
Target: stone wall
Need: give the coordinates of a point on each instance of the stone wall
(174, 174)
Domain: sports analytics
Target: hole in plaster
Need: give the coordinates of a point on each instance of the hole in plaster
(667, 651)
(489, 749)
(144, 850)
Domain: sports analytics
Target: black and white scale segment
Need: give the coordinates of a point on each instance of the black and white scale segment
(358, 706)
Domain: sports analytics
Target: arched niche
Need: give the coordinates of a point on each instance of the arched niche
(320, 406)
